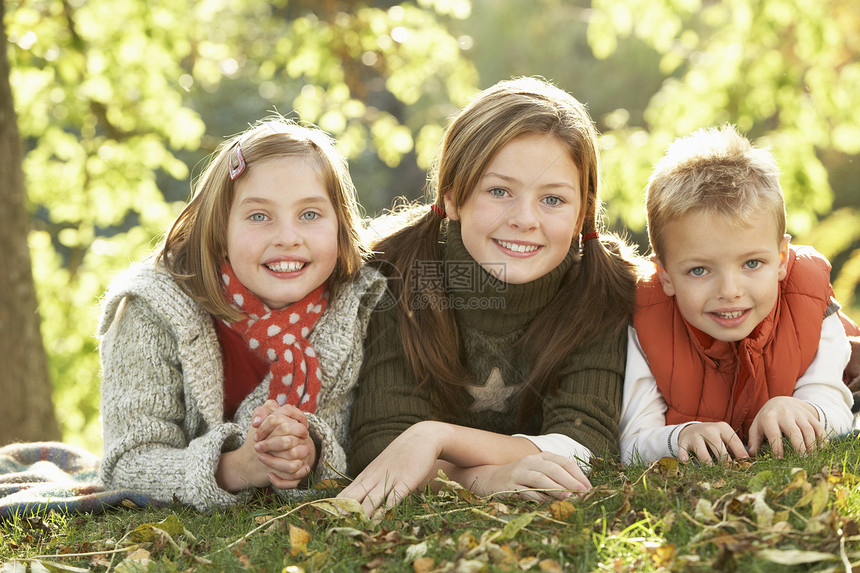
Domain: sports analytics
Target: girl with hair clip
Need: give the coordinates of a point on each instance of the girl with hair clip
(229, 358)
(499, 357)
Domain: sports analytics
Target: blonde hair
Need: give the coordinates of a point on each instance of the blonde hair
(716, 171)
(196, 244)
(597, 295)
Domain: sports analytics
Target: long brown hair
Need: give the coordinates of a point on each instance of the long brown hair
(595, 298)
(196, 244)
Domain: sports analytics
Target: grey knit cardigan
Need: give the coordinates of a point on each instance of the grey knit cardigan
(162, 388)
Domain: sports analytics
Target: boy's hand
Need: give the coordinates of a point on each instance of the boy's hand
(283, 444)
(710, 440)
(786, 416)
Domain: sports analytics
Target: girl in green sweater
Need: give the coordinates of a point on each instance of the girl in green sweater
(499, 353)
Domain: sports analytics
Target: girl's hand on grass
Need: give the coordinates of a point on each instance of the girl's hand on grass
(710, 440)
(537, 477)
(786, 416)
(283, 443)
(397, 471)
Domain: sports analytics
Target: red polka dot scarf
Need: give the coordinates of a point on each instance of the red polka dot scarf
(280, 337)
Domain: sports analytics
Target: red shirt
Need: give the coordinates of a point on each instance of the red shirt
(243, 370)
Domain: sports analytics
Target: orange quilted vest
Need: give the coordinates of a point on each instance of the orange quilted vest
(709, 380)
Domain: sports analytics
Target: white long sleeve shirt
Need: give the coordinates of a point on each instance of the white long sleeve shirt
(646, 437)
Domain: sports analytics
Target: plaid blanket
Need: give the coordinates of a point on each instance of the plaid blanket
(38, 477)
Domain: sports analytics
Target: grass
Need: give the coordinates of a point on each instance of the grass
(796, 514)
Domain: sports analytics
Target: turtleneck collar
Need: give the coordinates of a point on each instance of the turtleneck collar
(487, 303)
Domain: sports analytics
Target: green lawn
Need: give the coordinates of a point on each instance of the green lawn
(796, 514)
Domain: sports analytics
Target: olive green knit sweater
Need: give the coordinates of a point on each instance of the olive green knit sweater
(492, 316)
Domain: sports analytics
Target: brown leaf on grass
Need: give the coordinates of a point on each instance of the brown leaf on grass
(451, 486)
(550, 566)
(816, 497)
(166, 529)
(663, 555)
(314, 562)
(327, 484)
(762, 511)
(561, 509)
(798, 481)
(299, 539)
(667, 467)
(134, 561)
(261, 519)
(339, 507)
(705, 512)
(423, 565)
(466, 542)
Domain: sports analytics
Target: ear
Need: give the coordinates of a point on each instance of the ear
(450, 208)
(783, 257)
(663, 276)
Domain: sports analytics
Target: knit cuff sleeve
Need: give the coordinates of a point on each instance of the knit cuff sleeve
(563, 446)
(331, 458)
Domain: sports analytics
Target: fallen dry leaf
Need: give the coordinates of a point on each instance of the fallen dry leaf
(550, 565)
(795, 556)
(423, 565)
(299, 539)
(561, 509)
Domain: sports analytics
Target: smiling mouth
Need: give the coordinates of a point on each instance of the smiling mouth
(517, 248)
(730, 315)
(285, 266)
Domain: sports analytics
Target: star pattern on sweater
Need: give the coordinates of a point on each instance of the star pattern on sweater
(493, 395)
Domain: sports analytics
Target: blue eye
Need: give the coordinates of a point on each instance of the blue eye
(553, 200)
(257, 217)
(697, 271)
(309, 216)
(498, 192)
(753, 264)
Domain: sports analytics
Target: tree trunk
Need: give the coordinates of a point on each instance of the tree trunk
(26, 407)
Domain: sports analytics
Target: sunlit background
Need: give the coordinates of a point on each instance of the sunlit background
(118, 102)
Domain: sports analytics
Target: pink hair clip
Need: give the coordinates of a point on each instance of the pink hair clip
(589, 236)
(438, 210)
(236, 171)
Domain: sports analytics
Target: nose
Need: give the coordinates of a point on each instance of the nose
(287, 235)
(730, 287)
(523, 215)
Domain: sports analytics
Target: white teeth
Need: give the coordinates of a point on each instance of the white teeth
(285, 266)
(518, 248)
(734, 314)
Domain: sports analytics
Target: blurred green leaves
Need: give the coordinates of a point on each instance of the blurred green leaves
(112, 104)
(118, 102)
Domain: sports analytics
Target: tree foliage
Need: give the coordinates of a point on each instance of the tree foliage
(113, 96)
(119, 101)
(789, 82)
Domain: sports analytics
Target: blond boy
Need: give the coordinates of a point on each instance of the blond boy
(737, 340)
